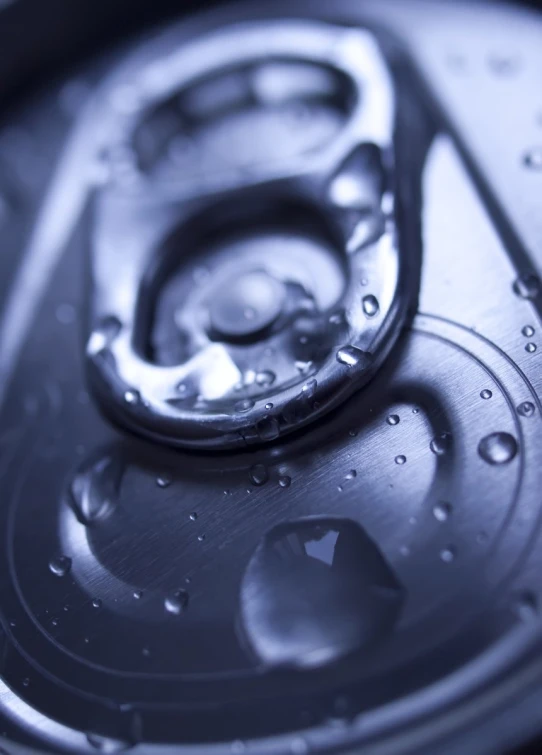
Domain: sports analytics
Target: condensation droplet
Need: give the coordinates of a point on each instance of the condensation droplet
(530, 348)
(269, 407)
(131, 397)
(138, 594)
(350, 475)
(370, 305)
(97, 603)
(163, 481)
(177, 602)
(353, 433)
(201, 538)
(351, 356)
(303, 367)
(285, 481)
(486, 394)
(244, 405)
(309, 389)
(533, 158)
(441, 444)
(400, 459)
(441, 511)
(527, 606)
(526, 409)
(448, 554)
(528, 331)
(393, 419)
(60, 566)
(258, 474)
(498, 448)
(193, 516)
(527, 286)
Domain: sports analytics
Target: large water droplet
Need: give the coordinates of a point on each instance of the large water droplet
(258, 474)
(317, 589)
(60, 565)
(498, 448)
(527, 286)
(285, 481)
(486, 394)
(526, 409)
(393, 419)
(351, 356)
(95, 489)
(530, 348)
(177, 602)
(441, 444)
(528, 331)
(370, 305)
(400, 459)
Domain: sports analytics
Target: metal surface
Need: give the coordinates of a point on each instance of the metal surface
(369, 581)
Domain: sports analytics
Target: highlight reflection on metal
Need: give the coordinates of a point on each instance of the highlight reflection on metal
(269, 342)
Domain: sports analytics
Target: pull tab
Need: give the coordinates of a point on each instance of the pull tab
(304, 287)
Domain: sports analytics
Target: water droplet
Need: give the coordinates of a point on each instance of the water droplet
(530, 348)
(163, 481)
(268, 428)
(95, 489)
(138, 594)
(351, 475)
(244, 405)
(400, 459)
(526, 409)
(285, 481)
(527, 606)
(441, 444)
(351, 356)
(131, 397)
(60, 566)
(177, 602)
(533, 158)
(317, 589)
(103, 335)
(54, 622)
(448, 554)
(201, 538)
(415, 410)
(26, 682)
(337, 318)
(309, 389)
(404, 550)
(528, 331)
(393, 419)
(269, 407)
(353, 433)
(503, 65)
(442, 511)
(486, 394)
(303, 367)
(258, 474)
(370, 305)
(266, 377)
(527, 286)
(193, 516)
(97, 603)
(498, 448)
(146, 652)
